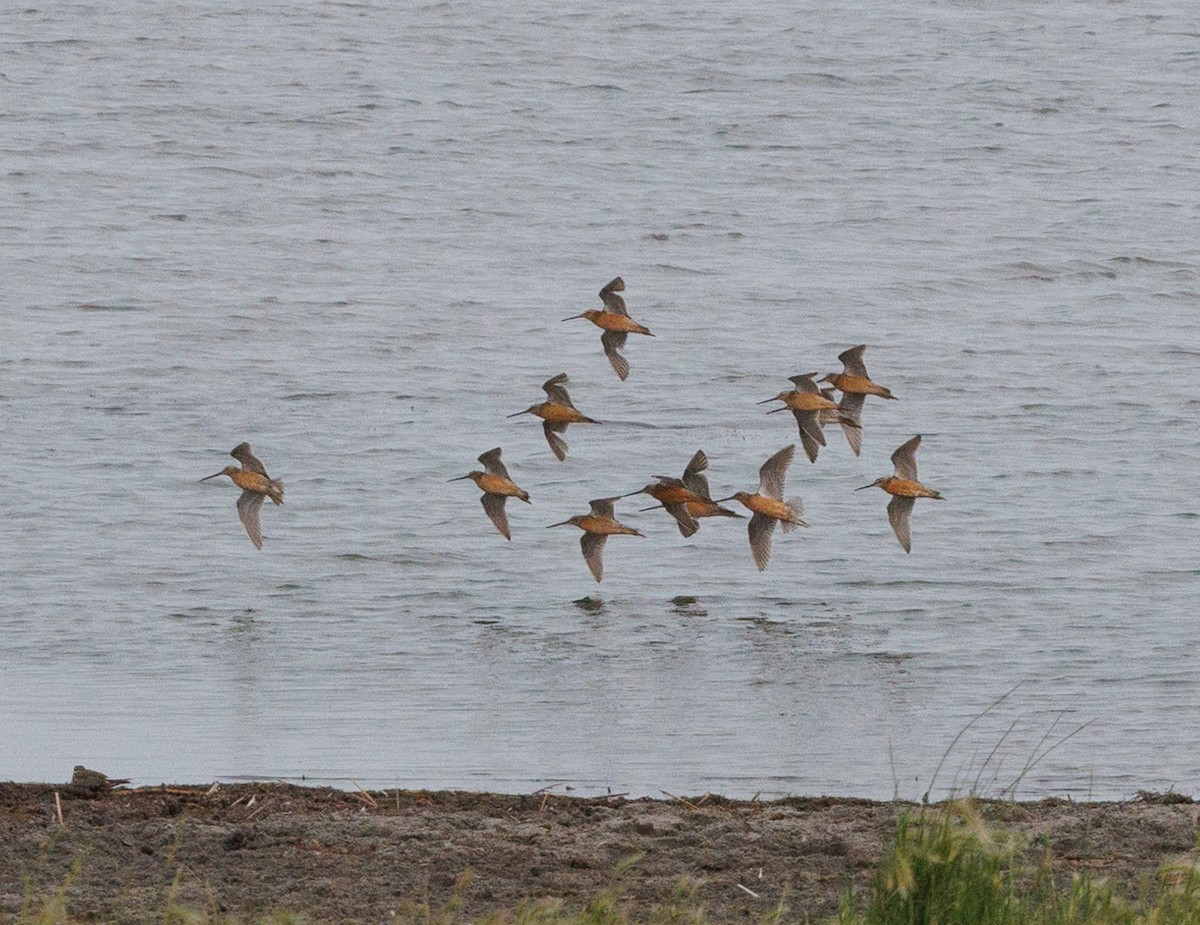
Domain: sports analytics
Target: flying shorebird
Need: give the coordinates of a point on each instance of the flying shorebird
(807, 403)
(497, 487)
(617, 325)
(597, 527)
(686, 499)
(255, 484)
(851, 427)
(768, 506)
(556, 414)
(904, 489)
(855, 385)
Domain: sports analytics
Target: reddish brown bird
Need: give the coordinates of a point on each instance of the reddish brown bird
(855, 385)
(904, 489)
(556, 414)
(768, 506)
(497, 488)
(256, 486)
(807, 403)
(597, 527)
(616, 323)
(686, 499)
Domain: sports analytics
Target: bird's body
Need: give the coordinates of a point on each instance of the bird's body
(497, 487)
(87, 779)
(556, 413)
(687, 499)
(768, 507)
(256, 486)
(614, 320)
(904, 489)
(807, 403)
(597, 526)
(853, 378)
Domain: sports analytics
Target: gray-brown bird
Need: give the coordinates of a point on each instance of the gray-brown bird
(93, 781)
(768, 506)
(904, 489)
(597, 527)
(497, 488)
(616, 324)
(256, 486)
(556, 414)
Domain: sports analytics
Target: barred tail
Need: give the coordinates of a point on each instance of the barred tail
(275, 491)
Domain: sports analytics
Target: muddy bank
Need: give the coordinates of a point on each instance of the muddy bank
(355, 857)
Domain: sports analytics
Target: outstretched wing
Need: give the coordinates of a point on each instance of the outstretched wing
(693, 478)
(805, 383)
(773, 472)
(900, 515)
(593, 552)
(761, 528)
(852, 359)
(612, 342)
(812, 438)
(491, 462)
(603, 507)
(493, 505)
(556, 390)
(905, 458)
(246, 457)
(249, 503)
(687, 523)
(557, 444)
(612, 301)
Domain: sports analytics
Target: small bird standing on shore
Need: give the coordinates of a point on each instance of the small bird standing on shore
(768, 506)
(497, 487)
(556, 414)
(808, 404)
(904, 489)
(855, 385)
(597, 527)
(686, 499)
(616, 323)
(256, 486)
(93, 781)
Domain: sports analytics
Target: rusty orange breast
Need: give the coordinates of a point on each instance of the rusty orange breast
(770, 507)
(498, 485)
(807, 401)
(251, 481)
(906, 488)
(559, 414)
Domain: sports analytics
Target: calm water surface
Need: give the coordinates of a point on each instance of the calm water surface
(348, 234)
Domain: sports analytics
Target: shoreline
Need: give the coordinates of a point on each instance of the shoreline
(243, 849)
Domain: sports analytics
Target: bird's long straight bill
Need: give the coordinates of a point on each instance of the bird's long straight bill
(872, 485)
(573, 317)
(723, 500)
(765, 400)
(643, 510)
(565, 523)
(458, 479)
(517, 414)
(213, 476)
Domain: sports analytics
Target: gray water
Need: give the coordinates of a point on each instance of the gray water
(347, 234)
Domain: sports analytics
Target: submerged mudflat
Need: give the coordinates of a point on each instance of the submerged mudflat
(334, 855)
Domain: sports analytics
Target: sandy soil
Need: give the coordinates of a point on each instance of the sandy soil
(355, 857)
